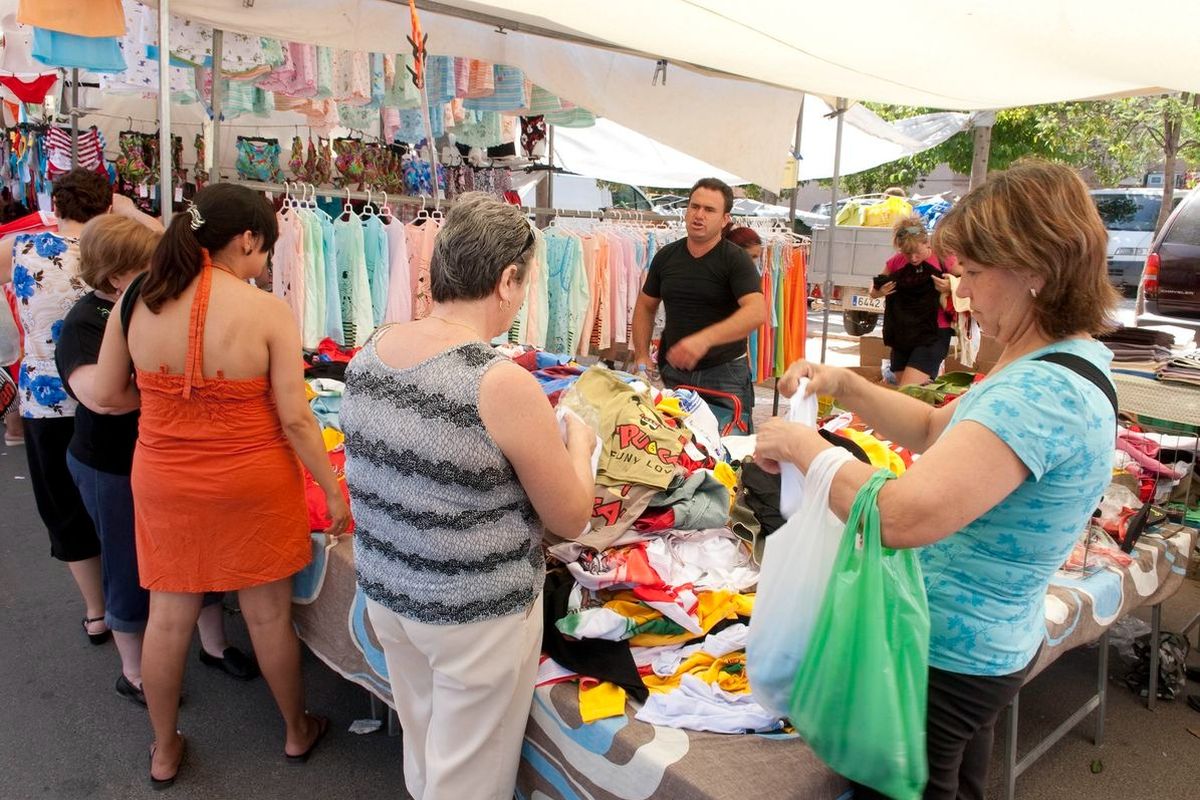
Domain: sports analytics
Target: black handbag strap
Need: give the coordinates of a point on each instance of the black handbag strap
(129, 300)
(1087, 370)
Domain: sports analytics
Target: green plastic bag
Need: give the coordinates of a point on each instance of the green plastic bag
(859, 696)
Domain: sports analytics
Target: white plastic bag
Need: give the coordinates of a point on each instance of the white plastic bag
(796, 565)
(791, 480)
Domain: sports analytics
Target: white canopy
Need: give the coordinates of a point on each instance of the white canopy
(616, 153)
(959, 54)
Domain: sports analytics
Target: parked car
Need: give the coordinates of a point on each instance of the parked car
(577, 193)
(1130, 216)
(1169, 289)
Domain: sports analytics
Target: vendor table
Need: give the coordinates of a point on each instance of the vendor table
(624, 758)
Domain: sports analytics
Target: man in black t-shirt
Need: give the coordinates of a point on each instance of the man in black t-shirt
(713, 297)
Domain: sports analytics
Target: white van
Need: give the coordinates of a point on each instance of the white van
(577, 193)
(1129, 216)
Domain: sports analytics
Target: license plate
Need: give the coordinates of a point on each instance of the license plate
(862, 302)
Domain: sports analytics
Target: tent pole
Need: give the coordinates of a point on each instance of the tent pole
(792, 215)
(218, 102)
(833, 210)
(165, 194)
(74, 117)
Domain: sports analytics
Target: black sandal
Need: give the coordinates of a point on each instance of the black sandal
(322, 729)
(96, 638)
(158, 784)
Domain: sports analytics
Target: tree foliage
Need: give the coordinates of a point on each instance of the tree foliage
(1115, 139)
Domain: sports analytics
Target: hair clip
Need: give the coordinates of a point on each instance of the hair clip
(197, 221)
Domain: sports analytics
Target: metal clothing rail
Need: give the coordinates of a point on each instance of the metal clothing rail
(611, 215)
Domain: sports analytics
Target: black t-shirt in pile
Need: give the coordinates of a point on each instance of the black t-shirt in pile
(698, 292)
(104, 442)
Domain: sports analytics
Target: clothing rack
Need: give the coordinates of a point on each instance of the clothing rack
(612, 215)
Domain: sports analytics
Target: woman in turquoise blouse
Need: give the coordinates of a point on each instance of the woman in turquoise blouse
(1025, 455)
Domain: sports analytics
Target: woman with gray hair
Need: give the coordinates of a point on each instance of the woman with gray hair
(455, 463)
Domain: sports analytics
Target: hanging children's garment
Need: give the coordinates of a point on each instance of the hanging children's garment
(354, 285)
(375, 247)
(287, 282)
(30, 91)
(315, 292)
(399, 295)
(95, 54)
(421, 234)
(258, 159)
(333, 297)
(93, 18)
(90, 151)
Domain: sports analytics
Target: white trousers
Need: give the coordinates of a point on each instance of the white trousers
(463, 694)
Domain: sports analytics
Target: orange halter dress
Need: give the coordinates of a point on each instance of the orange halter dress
(218, 491)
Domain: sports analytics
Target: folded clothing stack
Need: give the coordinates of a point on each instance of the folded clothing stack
(1184, 368)
(1138, 349)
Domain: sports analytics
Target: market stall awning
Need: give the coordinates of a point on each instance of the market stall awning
(614, 152)
(956, 54)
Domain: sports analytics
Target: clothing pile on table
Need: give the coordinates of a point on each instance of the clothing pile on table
(1138, 350)
(651, 602)
(1183, 368)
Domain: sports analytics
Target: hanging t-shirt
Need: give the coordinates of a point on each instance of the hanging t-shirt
(315, 293)
(399, 295)
(699, 292)
(375, 248)
(333, 294)
(104, 442)
(354, 286)
(987, 583)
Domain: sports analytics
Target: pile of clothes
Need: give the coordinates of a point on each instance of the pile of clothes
(1138, 350)
(1183, 368)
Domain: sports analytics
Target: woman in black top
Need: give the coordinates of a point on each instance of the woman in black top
(916, 325)
(113, 252)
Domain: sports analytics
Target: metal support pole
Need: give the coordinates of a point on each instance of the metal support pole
(165, 194)
(550, 163)
(842, 105)
(74, 118)
(1155, 637)
(218, 99)
(1011, 721)
(1101, 689)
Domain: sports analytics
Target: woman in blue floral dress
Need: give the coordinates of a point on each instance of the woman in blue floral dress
(44, 271)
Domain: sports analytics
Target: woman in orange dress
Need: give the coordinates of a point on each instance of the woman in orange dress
(218, 490)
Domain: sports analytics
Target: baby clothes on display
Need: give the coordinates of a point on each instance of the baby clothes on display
(258, 159)
(95, 54)
(90, 151)
(297, 77)
(29, 91)
(93, 19)
(508, 95)
(352, 78)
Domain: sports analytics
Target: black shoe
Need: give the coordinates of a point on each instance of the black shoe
(1193, 673)
(1194, 702)
(126, 689)
(96, 638)
(232, 662)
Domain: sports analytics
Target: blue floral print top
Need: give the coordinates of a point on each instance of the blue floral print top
(47, 284)
(987, 583)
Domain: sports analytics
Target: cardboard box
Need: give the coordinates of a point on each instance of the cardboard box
(871, 351)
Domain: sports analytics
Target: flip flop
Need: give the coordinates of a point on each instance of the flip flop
(158, 784)
(322, 729)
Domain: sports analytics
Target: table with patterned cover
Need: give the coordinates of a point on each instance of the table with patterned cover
(624, 759)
